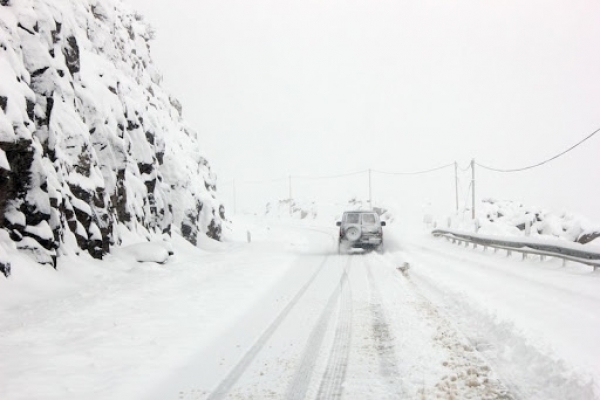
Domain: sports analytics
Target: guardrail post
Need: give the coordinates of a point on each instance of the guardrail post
(508, 253)
(524, 256)
(564, 262)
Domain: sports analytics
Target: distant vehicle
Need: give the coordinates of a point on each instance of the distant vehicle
(360, 230)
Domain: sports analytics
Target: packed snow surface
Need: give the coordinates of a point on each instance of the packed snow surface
(287, 317)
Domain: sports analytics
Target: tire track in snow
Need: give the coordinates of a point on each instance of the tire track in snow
(230, 380)
(470, 373)
(384, 341)
(335, 373)
(298, 387)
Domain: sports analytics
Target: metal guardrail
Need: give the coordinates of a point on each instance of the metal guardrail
(524, 246)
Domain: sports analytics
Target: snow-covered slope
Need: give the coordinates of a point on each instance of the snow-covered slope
(91, 147)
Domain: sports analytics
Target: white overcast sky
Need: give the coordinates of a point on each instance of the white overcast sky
(307, 87)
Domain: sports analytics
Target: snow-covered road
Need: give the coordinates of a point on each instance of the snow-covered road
(286, 317)
(349, 326)
(534, 321)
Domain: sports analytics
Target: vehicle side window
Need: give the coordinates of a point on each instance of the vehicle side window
(368, 219)
(352, 218)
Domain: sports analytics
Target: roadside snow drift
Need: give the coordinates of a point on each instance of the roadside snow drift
(511, 218)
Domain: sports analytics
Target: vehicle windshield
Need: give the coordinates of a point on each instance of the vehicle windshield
(369, 219)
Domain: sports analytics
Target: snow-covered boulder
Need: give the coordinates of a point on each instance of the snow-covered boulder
(511, 218)
(88, 138)
(156, 252)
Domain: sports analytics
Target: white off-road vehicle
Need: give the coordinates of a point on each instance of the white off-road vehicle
(360, 230)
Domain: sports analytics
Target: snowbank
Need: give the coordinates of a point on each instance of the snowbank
(512, 219)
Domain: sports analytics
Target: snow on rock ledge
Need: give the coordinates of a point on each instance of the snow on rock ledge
(88, 139)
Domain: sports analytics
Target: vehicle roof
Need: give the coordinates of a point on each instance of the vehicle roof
(361, 211)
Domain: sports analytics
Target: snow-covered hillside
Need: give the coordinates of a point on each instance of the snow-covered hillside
(91, 147)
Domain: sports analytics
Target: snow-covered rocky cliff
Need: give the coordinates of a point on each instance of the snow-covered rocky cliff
(91, 147)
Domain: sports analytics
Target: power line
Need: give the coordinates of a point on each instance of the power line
(415, 172)
(342, 175)
(468, 167)
(543, 162)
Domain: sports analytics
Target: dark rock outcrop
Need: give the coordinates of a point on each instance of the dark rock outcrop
(5, 269)
(588, 237)
(90, 144)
